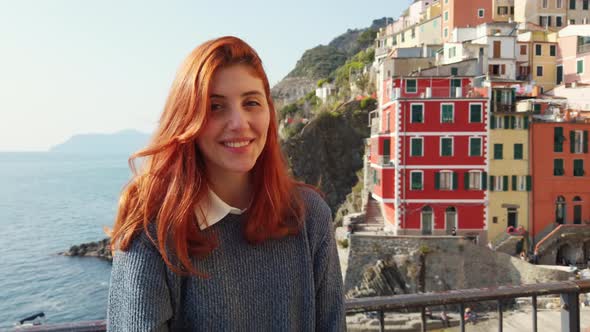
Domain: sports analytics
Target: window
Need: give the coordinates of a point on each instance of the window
(446, 32)
(578, 167)
(572, 21)
(498, 151)
(558, 139)
(446, 16)
(417, 178)
(403, 35)
(503, 10)
(473, 180)
(522, 49)
(417, 113)
(518, 151)
(499, 183)
(499, 122)
(558, 21)
(413, 33)
(540, 71)
(446, 146)
(446, 113)
(417, 147)
(521, 184)
(572, 4)
(480, 13)
(474, 147)
(558, 167)
(537, 108)
(543, 21)
(577, 141)
(580, 66)
(446, 180)
(545, 3)
(475, 113)
(558, 3)
(454, 71)
(538, 49)
(411, 86)
(585, 4)
(552, 50)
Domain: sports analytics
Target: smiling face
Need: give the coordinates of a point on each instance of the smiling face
(235, 133)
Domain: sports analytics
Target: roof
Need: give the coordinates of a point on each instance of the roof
(575, 30)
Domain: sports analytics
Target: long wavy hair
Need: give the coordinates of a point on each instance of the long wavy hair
(163, 193)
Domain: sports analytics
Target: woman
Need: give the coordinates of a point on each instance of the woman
(212, 234)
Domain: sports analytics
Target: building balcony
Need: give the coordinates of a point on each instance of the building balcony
(584, 48)
(504, 108)
(437, 92)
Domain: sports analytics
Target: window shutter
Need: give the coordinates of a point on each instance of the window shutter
(503, 69)
(490, 69)
(484, 181)
(466, 180)
(455, 180)
(514, 179)
(493, 122)
(436, 180)
(492, 182)
(505, 182)
(513, 93)
(572, 141)
(526, 122)
(529, 183)
(585, 141)
(557, 139)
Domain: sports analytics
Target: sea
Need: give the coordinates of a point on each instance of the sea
(49, 202)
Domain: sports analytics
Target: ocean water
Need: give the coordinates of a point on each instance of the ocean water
(49, 202)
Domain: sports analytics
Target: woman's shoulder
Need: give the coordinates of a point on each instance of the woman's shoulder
(318, 216)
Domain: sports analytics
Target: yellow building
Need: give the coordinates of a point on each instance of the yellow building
(508, 155)
(503, 10)
(536, 58)
(544, 13)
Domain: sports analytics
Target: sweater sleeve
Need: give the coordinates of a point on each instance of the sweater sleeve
(139, 299)
(330, 314)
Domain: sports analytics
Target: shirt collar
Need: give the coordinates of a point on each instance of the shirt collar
(211, 210)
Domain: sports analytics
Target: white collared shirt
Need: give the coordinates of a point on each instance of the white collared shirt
(211, 210)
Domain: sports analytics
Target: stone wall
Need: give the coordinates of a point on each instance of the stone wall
(412, 263)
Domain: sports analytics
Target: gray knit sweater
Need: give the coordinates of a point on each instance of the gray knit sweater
(290, 284)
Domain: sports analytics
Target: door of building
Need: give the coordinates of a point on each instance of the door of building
(512, 217)
(427, 220)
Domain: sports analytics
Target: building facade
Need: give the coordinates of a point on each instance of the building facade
(463, 13)
(428, 159)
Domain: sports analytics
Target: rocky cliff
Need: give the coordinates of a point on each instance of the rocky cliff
(100, 249)
(328, 151)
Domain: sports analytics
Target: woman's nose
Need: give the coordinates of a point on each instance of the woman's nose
(238, 118)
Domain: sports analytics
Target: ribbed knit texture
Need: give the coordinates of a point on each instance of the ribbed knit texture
(289, 284)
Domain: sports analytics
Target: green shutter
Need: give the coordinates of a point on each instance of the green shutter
(529, 183)
(466, 180)
(505, 182)
(585, 141)
(572, 141)
(498, 151)
(558, 167)
(518, 153)
(436, 180)
(513, 93)
(578, 167)
(558, 139)
(493, 122)
(455, 180)
(447, 147)
(416, 147)
(484, 181)
(526, 122)
(512, 122)
(514, 179)
(492, 178)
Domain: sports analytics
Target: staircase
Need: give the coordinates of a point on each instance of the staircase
(374, 220)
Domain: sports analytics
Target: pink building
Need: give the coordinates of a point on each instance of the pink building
(464, 13)
(573, 54)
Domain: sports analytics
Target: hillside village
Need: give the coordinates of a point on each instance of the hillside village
(481, 125)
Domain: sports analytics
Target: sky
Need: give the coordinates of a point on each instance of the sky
(70, 67)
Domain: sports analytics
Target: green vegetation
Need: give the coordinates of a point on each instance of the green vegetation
(343, 243)
(424, 249)
(318, 62)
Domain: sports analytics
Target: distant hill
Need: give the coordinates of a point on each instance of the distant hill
(122, 142)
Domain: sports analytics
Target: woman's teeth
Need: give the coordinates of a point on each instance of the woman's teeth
(236, 144)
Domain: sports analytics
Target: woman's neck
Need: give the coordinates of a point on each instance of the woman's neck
(235, 189)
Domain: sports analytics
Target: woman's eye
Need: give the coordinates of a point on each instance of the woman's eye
(216, 107)
(252, 103)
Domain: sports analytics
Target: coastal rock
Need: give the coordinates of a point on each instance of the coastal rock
(100, 249)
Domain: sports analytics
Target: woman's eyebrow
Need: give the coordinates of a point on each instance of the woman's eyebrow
(245, 94)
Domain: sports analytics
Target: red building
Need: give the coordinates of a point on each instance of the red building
(559, 163)
(428, 156)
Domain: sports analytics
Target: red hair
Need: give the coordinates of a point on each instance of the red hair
(172, 180)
